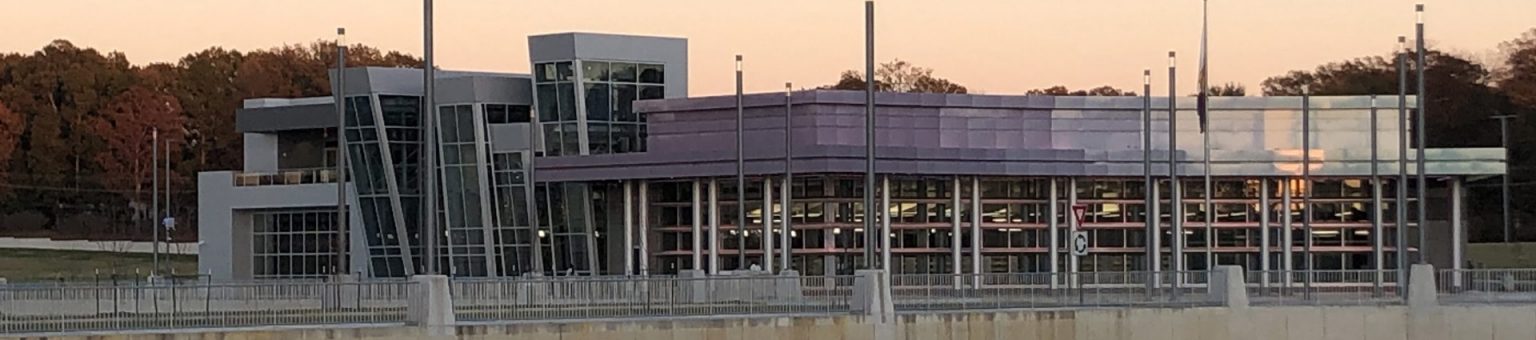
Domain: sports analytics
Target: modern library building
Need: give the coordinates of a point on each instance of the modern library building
(599, 163)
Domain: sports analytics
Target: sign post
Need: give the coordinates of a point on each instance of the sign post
(1079, 244)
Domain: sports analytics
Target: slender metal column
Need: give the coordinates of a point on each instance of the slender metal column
(789, 181)
(767, 215)
(339, 91)
(1176, 201)
(869, 132)
(1400, 205)
(1457, 230)
(885, 223)
(1307, 190)
(1376, 241)
(976, 226)
(714, 227)
(1072, 225)
(429, 214)
(698, 222)
(154, 199)
(1287, 240)
(954, 219)
(644, 229)
(1264, 242)
(1419, 132)
(1149, 209)
(741, 178)
(629, 228)
(1054, 211)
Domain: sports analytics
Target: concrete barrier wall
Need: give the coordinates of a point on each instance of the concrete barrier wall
(1262, 323)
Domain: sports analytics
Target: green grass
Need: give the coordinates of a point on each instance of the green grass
(1502, 255)
(23, 265)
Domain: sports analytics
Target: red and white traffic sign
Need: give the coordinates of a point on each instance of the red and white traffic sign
(1078, 211)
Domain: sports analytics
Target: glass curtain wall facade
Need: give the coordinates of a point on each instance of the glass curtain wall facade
(385, 149)
(1015, 223)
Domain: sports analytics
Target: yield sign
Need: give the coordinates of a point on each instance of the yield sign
(1078, 211)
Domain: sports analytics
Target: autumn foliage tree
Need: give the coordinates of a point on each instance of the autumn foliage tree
(898, 76)
(128, 125)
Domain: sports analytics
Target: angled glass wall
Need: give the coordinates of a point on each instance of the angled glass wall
(384, 148)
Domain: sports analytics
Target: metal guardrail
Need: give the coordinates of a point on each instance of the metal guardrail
(1326, 288)
(629, 297)
(285, 177)
(1486, 286)
(73, 308)
(928, 292)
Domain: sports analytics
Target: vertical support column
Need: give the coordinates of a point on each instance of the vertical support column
(698, 235)
(1457, 230)
(1286, 241)
(1154, 236)
(954, 219)
(629, 228)
(1072, 261)
(1054, 211)
(714, 227)
(1264, 232)
(767, 224)
(645, 229)
(976, 227)
(786, 204)
(885, 223)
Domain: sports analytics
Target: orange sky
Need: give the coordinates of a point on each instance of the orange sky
(992, 46)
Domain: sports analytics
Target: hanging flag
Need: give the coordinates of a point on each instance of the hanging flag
(1201, 105)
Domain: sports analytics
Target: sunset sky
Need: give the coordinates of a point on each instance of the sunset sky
(991, 46)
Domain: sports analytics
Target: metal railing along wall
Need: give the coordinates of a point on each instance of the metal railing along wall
(1486, 286)
(518, 299)
(927, 292)
(1327, 288)
(285, 177)
(73, 308)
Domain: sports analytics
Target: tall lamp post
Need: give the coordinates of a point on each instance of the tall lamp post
(741, 180)
(1418, 131)
(341, 266)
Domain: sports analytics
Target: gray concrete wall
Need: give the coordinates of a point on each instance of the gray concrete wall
(224, 231)
(1276, 323)
(260, 152)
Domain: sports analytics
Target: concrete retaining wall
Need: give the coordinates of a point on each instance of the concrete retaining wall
(1261, 323)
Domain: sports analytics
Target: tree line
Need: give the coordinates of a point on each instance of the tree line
(76, 125)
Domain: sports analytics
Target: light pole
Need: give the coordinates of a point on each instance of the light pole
(870, 234)
(741, 180)
(1306, 186)
(1504, 142)
(789, 180)
(1150, 211)
(1418, 131)
(1176, 196)
(1401, 206)
(338, 91)
(429, 165)
(154, 215)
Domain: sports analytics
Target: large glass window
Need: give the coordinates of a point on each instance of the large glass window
(287, 244)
